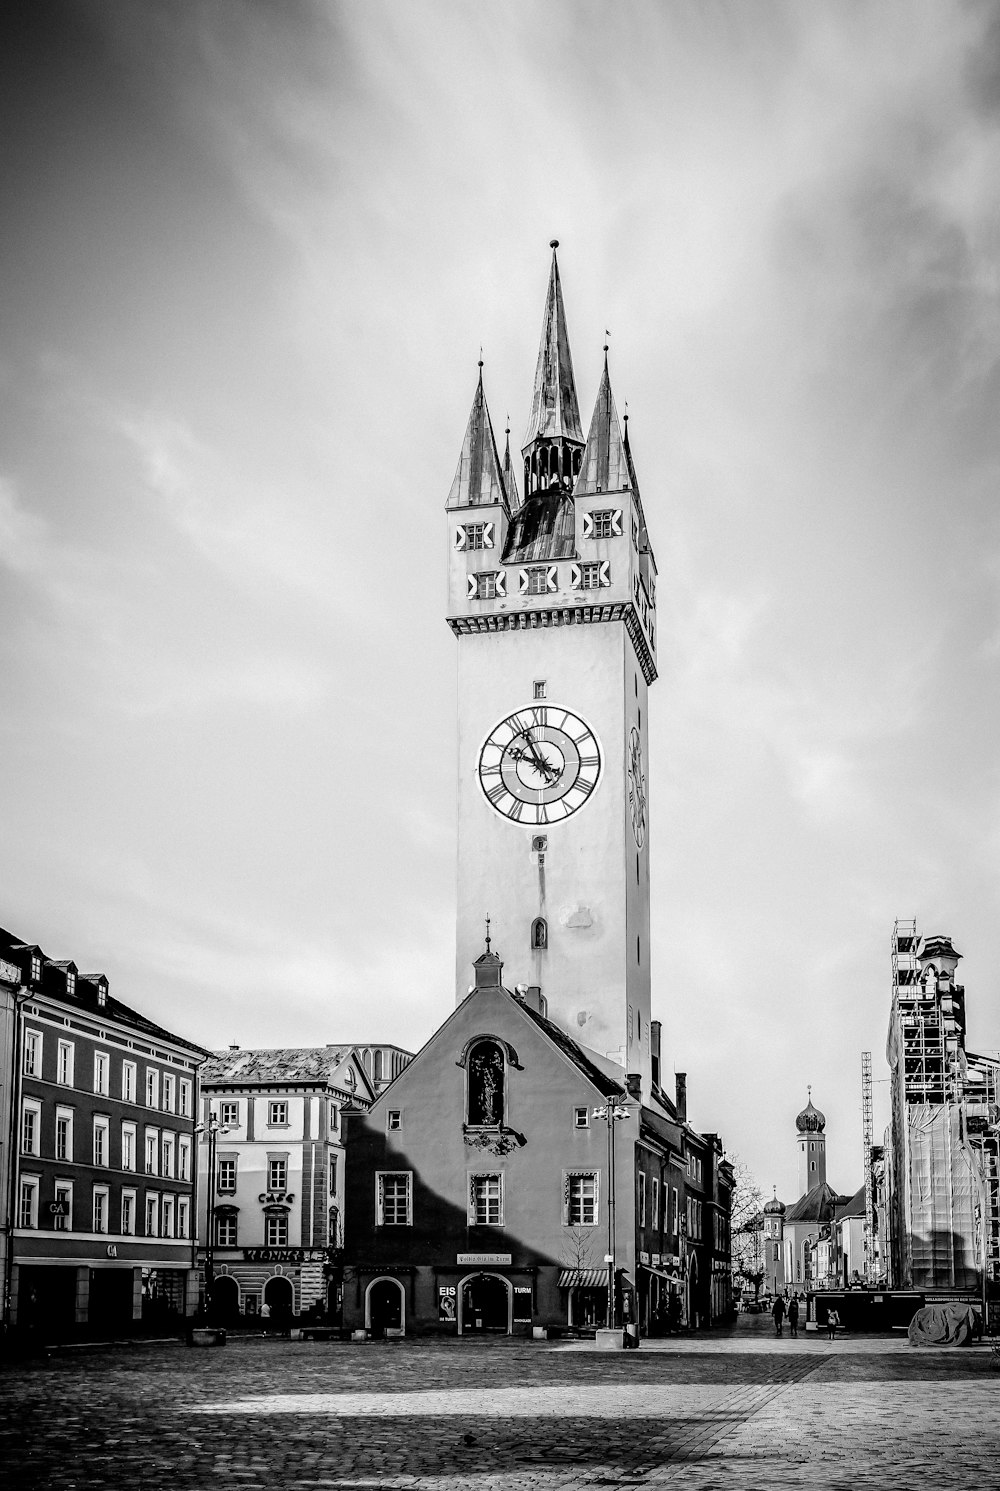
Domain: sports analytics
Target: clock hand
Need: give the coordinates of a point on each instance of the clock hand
(545, 768)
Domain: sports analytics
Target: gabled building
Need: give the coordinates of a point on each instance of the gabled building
(272, 1213)
(101, 1106)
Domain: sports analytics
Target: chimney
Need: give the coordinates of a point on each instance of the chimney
(654, 1046)
(531, 995)
(633, 1085)
(681, 1101)
(234, 1048)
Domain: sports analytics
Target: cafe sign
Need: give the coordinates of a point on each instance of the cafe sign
(284, 1255)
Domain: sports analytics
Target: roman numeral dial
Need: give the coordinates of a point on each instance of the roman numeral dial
(540, 764)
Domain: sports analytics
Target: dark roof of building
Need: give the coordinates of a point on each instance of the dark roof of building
(284, 1064)
(818, 1205)
(87, 991)
(543, 528)
(604, 1084)
(855, 1207)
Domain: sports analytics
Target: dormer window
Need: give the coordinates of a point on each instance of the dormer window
(102, 994)
(70, 982)
(36, 969)
(486, 1085)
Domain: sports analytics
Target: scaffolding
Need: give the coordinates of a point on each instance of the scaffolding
(866, 1114)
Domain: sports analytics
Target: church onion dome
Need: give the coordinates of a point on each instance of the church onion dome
(810, 1120)
(774, 1207)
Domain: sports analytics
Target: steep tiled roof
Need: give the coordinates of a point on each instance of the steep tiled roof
(478, 479)
(555, 413)
(543, 528)
(817, 1205)
(604, 1084)
(853, 1208)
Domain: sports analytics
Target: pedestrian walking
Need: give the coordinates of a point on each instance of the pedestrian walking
(793, 1315)
(265, 1315)
(778, 1311)
(832, 1322)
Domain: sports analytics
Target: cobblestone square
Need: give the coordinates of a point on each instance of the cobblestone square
(739, 1409)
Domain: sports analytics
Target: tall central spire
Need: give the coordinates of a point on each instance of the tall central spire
(554, 438)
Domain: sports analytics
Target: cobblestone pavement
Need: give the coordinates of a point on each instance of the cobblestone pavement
(741, 1410)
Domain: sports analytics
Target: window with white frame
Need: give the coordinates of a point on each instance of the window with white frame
(581, 1118)
(537, 580)
(152, 1214)
(226, 1171)
(169, 1089)
(604, 524)
(102, 1136)
(276, 1229)
(183, 1158)
(31, 1124)
(62, 1206)
(333, 1175)
(102, 1073)
(70, 982)
(393, 1198)
(183, 1217)
(152, 1151)
(229, 1114)
(128, 1213)
(64, 1063)
(277, 1172)
(128, 1146)
(642, 1198)
(395, 1119)
(225, 1229)
(486, 586)
(655, 1203)
(581, 1195)
(101, 1197)
(334, 1118)
(152, 1088)
(64, 1134)
(168, 1151)
(128, 1081)
(167, 1214)
(590, 576)
(32, 1053)
(486, 1200)
(277, 1115)
(675, 1214)
(36, 968)
(27, 1206)
(184, 1097)
(476, 536)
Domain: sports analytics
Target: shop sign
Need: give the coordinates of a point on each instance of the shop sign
(503, 1258)
(276, 1198)
(446, 1302)
(644, 1258)
(522, 1304)
(112, 1250)
(284, 1255)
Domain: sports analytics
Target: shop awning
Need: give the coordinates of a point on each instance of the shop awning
(583, 1278)
(662, 1273)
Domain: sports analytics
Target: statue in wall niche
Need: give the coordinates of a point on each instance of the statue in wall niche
(486, 1078)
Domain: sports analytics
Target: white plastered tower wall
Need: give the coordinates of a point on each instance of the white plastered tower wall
(591, 881)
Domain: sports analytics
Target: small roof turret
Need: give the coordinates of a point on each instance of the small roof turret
(478, 480)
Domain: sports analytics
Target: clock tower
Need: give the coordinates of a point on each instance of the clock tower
(552, 595)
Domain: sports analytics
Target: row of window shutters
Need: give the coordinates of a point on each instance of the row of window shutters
(595, 525)
(544, 580)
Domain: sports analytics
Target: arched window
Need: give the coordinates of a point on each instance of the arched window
(539, 934)
(487, 1073)
(378, 1066)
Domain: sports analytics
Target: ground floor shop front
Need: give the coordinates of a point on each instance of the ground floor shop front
(96, 1289)
(294, 1283)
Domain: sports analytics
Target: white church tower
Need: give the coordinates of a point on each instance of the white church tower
(552, 596)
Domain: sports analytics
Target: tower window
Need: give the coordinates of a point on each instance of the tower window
(476, 536)
(638, 951)
(539, 934)
(590, 576)
(539, 688)
(486, 1085)
(486, 587)
(604, 524)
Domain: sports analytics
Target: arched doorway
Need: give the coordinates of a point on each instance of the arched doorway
(280, 1296)
(485, 1305)
(225, 1299)
(385, 1307)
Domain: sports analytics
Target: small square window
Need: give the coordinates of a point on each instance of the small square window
(229, 1114)
(538, 581)
(581, 1118)
(486, 587)
(277, 1114)
(395, 1118)
(590, 576)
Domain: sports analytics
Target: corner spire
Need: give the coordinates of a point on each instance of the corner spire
(512, 480)
(605, 465)
(554, 421)
(478, 481)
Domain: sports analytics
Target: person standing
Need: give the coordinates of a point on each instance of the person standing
(832, 1322)
(778, 1311)
(265, 1315)
(793, 1315)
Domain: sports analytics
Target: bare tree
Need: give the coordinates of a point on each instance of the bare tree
(747, 1231)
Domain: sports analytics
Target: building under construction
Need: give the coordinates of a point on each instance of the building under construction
(940, 1175)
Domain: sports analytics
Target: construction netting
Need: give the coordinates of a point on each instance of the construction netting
(944, 1200)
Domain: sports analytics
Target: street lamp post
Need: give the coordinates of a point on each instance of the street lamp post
(213, 1127)
(612, 1112)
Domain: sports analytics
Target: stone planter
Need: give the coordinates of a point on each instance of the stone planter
(610, 1340)
(206, 1335)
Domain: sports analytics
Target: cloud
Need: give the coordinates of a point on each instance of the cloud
(24, 537)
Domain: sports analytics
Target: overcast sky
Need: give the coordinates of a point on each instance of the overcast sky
(249, 255)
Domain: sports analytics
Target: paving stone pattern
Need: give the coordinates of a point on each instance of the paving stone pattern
(741, 1410)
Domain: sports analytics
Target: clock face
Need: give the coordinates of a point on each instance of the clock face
(540, 764)
(636, 788)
